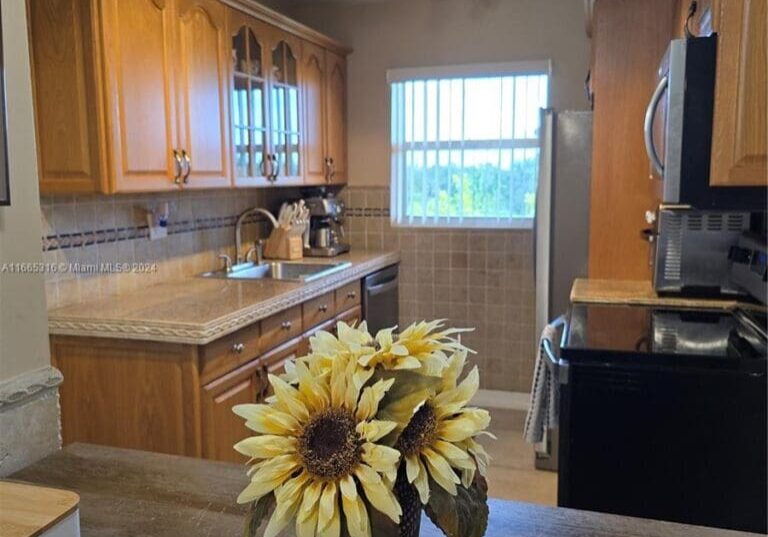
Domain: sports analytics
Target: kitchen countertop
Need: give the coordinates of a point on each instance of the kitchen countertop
(197, 310)
(641, 293)
(130, 493)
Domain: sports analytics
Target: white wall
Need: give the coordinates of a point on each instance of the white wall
(29, 419)
(413, 33)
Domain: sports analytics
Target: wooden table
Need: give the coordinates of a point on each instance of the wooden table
(135, 493)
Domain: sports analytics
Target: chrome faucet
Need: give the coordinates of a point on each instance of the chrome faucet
(239, 257)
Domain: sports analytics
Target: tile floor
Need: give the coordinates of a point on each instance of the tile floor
(512, 475)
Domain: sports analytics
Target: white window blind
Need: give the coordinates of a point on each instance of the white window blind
(465, 144)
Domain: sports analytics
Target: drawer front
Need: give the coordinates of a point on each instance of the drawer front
(280, 327)
(318, 310)
(224, 354)
(348, 296)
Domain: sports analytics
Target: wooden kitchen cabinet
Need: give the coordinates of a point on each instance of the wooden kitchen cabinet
(138, 90)
(324, 85)
(629, 38)
(336, 116)
(739, 139)
(203, 99)
(137, 96)
(313, 77)
(273, 363)
(221, 428)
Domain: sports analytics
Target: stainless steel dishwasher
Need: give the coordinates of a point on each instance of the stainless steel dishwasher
(380, 299)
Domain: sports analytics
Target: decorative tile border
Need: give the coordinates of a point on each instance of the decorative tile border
(64, 241)
(366, 212)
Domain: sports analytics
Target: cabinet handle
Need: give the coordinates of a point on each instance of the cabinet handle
(333, 169)
(238, 348)
(351, 294)
(323, 308)
(286, 325)
(178, 165)
(188, 161)
(327, 170)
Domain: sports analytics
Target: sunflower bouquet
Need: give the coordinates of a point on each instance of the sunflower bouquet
(364, 433)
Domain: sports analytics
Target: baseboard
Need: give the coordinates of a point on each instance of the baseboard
(501, 399)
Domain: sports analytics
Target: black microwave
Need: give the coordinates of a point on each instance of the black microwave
(678, 131)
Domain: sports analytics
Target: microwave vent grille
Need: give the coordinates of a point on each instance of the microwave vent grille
(674, 248)
(715, 222)
(694, 222)
(736, 222)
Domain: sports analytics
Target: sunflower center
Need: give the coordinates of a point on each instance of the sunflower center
(420, 431)
(329, 446)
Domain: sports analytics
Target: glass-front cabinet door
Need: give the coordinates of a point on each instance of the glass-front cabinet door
(284, 127)
(249, 101)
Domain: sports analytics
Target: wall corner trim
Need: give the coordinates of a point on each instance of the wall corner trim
(29, 385)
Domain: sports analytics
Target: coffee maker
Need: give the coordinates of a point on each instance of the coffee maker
(325, 235)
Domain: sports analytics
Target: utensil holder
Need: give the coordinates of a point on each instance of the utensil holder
(281, 244)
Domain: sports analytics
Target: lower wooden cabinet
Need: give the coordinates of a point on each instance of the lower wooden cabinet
(176, 398)
(221, 428)
(273, 362)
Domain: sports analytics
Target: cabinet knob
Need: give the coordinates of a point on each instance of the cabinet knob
(351, 294)
(286, 325)
(323, 308)
(238, 348)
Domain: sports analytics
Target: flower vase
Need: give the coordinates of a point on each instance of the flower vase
(408, 496)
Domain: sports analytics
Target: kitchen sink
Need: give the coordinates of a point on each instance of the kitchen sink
(299, 272)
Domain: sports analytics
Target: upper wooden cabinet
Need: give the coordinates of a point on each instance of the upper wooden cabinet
(739, 140)
(324, 76)
(152, 95)
(139, 94)
(264, 81)
(336, 116)
(629, 38)
(202, 91)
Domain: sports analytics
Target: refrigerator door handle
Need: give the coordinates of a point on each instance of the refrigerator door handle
(558, 366)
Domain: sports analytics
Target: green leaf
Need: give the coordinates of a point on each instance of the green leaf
(256, 515)
(463, 515)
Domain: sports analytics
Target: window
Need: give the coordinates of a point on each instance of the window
(465, 144)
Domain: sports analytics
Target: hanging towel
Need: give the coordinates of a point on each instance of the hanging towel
(544, 402)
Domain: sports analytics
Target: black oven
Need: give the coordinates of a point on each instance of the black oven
(663, 415)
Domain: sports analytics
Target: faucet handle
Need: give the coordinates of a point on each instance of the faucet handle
(227, 262)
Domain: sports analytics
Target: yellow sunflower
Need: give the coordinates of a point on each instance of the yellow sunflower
(439, 440)
(317, 451)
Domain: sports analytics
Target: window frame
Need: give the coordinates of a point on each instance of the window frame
(464, 72)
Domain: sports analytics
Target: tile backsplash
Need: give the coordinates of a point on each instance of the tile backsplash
(81, 233)
(473, 278)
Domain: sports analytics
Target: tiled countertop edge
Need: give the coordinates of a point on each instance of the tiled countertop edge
(169, 332)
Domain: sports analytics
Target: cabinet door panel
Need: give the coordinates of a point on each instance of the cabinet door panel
(138, 45)
(284, 107)
(69, 148)
(739, 142)
(203, 100)
(247, 86)
(221, 428)
(336, 116)
(273, 362)
(313, 85)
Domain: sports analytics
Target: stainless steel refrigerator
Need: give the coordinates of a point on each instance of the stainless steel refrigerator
(561, 226)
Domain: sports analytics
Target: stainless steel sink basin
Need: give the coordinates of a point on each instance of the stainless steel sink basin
(299, 272)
